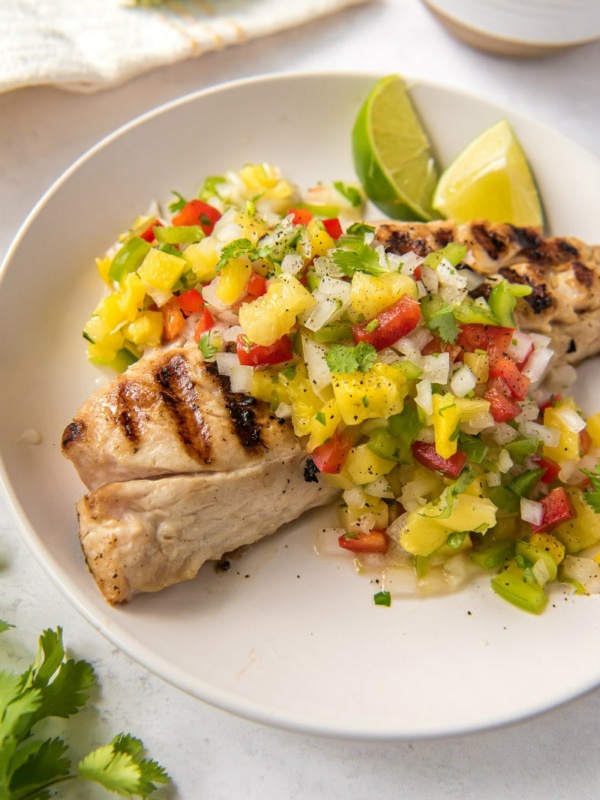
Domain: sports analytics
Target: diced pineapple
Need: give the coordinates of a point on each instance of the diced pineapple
(102, 355)
(160, 270)
(131, 298)
(550, 544)
(352, 517)
(424, 531)
(583, 530)
(274, 314)
(370, 295)
(233, 279)
(323, 425)
(364, 466)
(320, 241)
(479, 363)
(103, 266)
(109, 312)
(146, 330)
(446, 416)
(568, 446)
(264, 382)
(305, 403)
(368, 395)
(470, 408)
(203, 258)
(593, 428)
(252, 227)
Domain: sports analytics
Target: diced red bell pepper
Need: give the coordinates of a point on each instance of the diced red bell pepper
(502, 406)
(173, 320)
(505, 368)
(371, 542)
(331, 456)
(426, 454)
(257, 285)
(493, 339)
(190, 302)
(333, 227)
(197, 212)
(389, 325)
(257, 355)
(205, 323)
(302, 216)
(148, 233)
(585, 442)
(551, 470)
(436, 345)
(557, 508)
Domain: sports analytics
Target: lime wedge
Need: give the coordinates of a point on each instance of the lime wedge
(491, 180)
(392, 153)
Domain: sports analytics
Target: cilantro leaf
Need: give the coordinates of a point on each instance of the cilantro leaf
(53, 686)
(177, 205)
(206, 348)
(351, 193)
(208, 189)
(345, 358)
(592, 493)
(357, 257)
(236, 249)
(382, 599)
(4, 626)
(450, 492)
(444, 324)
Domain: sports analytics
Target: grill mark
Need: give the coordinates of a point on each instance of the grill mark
(127, 411)
(73, 433)
(443, 236)
(583, 274)
(489, 241)
(402, 242)
(241, 409)
(540, 298)
(179, 395)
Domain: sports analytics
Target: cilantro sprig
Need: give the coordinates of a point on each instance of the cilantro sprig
(345, 358)
(57, 686)
(356, 256)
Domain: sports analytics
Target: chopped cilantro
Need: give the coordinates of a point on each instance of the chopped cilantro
(372, 326)
(359, 229)
(357, 257)
(592, 493)
(351, 193)
(235, 249)
(289, 372)
(320, 417)
(456, 539)
(206, 348)
(440, 318)
(209, 187)
(177, 205)
(345, 358)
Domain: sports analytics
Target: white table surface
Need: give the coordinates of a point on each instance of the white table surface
(209, 753)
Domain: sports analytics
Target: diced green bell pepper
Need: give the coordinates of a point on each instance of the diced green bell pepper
(334, 332)
(519, 449)
(512, 584)
(128, 258)
(492, 554)
(179, 234)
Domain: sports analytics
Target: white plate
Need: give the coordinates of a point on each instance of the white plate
(520, 27)
(285, 637)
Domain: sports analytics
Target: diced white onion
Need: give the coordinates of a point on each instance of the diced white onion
(541, 572)
(420, 337)
(379, 488)
(540, 341)
(426, 434)
(504, 433)
(570, 418)
(436, 368)
(325, 266)
(531, 511)
(400, 581)
(504, 462)
(409, 349)
(422, 291)
(410, 261)
(520, 347)
(473, 279)
(549, 436)
(430, 279)
(240, 379)
(493, 479)
(394, 262)
(583, 570)
(529, 411)
(318, 370)
(231, 334)
(355, 497)
(326, 310)
(449, 275)
(537, 364)
(463, 381)
(560, 378)
(365, 523)
(568, 468)
(292, 263)
(284, 411)
(479, 423)
(225, 363)
(209, 294)
(424, 398)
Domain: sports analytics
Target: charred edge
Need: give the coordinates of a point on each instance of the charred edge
(241, 409)
(126, 412)
(401, 242)
(583, 274)
(74, 432)
(493, 244)
(310, 471)
(443, 236)
(540, 298)
(179, 395)
(545, 252)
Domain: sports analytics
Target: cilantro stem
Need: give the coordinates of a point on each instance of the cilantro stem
(36, 792)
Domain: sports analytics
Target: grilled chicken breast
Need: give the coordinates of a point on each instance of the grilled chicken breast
(564, 274)
(181, 471)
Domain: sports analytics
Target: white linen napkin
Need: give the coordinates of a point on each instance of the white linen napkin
(86, 45)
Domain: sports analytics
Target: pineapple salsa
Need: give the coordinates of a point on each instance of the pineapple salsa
(425, 407)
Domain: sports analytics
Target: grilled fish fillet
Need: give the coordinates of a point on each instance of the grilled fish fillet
(564, 274)
(181, 471)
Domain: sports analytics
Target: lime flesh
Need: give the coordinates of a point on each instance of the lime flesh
(491, 179)
(392, 153)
